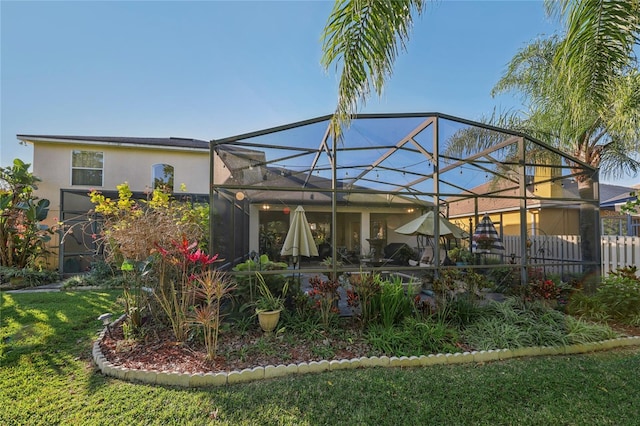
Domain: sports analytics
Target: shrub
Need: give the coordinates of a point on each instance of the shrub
(29, 277)
(460, 310)
(364, 289)
(543, 289)
(580, 331)
(180, 264)
(132, 228)
(247, 284)
(581, 304)
(617, 297)
(134, 296)
(324, 294)
(620, 295)
(392, 303)
(101, 274)
(22, 236)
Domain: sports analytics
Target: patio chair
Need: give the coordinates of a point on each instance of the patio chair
(428, 254)
(426, 258)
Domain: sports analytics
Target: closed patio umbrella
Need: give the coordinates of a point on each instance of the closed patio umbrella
(299, 239)
(486, 237)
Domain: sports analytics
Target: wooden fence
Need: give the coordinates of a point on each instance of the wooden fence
(560, 254)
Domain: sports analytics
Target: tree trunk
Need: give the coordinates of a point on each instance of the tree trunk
(589, 235)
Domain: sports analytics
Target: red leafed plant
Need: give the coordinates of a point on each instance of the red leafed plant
(180, 267)
(325, 295)
(365, 288)
(544, 289)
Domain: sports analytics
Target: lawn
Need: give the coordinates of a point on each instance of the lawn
(47, 378)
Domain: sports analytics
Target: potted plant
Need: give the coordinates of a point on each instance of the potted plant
(460, 255)
(268, 305)
(407, 254)
(484, 242)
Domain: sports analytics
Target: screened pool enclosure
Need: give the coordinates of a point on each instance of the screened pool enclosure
(388, 170)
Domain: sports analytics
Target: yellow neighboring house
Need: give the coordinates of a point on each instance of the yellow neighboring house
(544, 216)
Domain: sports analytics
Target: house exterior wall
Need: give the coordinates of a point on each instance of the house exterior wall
(549, 221)
(52, 164)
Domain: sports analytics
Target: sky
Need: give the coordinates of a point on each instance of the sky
(214, 69)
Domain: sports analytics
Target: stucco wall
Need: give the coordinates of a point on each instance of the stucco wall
(52, 164)
(549, 221)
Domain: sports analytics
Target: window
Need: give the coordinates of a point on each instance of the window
(86, 168)
(162, 177)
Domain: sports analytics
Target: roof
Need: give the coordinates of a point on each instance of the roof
(170, 142)
(315, 190)
(610, 195)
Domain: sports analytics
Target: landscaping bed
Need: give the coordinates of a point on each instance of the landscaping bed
(160, 352)
(157, 350)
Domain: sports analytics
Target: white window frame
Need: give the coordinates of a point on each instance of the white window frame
(86, 168)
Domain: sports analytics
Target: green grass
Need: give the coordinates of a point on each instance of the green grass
(46, 378)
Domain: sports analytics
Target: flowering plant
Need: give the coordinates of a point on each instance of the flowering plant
(484, 242)
(133, 228)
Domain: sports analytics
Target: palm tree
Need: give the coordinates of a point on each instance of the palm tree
(598, 46)
(363, 37)
(583, 91)
(602, 131)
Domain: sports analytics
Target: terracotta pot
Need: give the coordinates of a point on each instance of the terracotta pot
(268, 320)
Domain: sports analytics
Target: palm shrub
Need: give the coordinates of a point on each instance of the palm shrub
(212, 287)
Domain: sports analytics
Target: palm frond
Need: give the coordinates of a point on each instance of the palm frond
(599, 43)
(531, 71)
(363, 37)
(616, 162)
